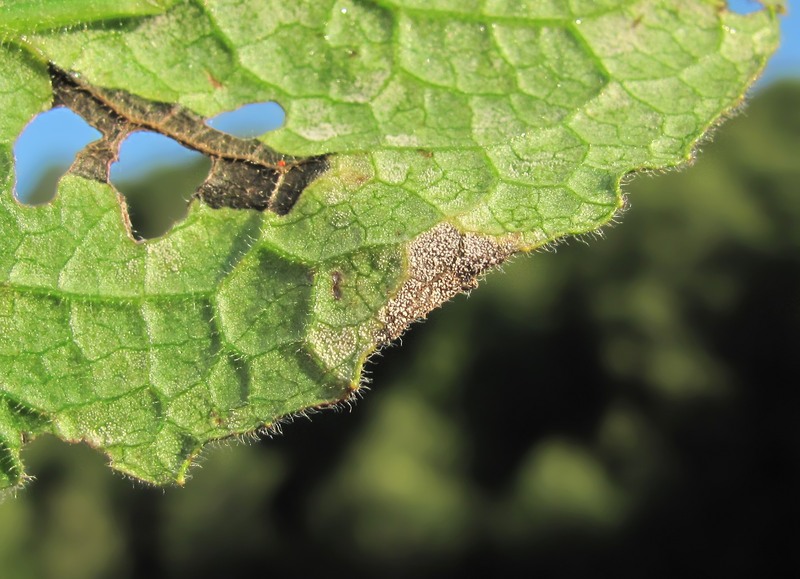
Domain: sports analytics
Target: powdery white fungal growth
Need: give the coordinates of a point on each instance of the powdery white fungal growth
(442, 262)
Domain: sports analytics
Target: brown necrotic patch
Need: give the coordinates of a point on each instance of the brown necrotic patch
(244, 174)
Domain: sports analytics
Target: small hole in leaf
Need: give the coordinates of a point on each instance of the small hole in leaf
(249, 121)
(744, 6)
(157, 176)
(44, 151)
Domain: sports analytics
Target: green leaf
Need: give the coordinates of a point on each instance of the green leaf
(25, 16)
(457, 133)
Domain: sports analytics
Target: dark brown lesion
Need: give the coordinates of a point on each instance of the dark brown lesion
(245, 173)
(336, 284)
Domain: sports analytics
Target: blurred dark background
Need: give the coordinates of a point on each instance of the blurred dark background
(624, 407)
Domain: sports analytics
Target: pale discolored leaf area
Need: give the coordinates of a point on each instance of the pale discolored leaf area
(453, 135)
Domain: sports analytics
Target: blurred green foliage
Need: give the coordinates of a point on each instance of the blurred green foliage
(657, 437)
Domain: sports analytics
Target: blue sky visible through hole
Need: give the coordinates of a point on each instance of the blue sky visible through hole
(47, 146)
(44, 151)
(156, 174)
(249, 121)
(744, 6)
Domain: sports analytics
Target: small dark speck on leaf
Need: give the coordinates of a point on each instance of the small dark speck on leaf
(336, 285)
(213, 80)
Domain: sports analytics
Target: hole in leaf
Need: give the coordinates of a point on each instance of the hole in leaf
(44, 151)
(249, 121)
(744, 6)
(157, 176)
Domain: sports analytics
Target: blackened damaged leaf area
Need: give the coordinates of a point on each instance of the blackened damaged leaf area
(245, 173)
